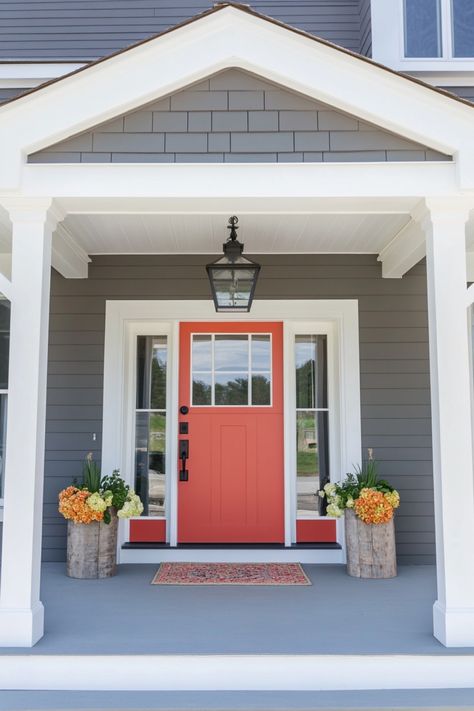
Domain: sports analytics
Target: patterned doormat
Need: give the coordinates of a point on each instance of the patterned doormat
(230, 574)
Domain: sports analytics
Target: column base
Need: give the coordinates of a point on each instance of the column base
(453, 627)
(21, 627)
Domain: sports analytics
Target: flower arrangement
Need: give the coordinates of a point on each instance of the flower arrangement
(372, 499)
(97, 497)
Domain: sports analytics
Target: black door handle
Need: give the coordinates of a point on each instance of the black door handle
(183, 455)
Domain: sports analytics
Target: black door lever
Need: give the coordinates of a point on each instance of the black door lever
(183, 455)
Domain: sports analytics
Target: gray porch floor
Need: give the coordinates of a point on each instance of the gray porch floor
(336, 615)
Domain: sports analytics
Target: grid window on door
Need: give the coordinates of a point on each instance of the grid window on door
(312, 448)
(150, 424)
(233, 370)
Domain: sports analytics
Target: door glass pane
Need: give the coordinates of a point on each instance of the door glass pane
(311, 461)
(463, 28)
(231, 353)
(261, 352)
(310, 356)
(202, 353)
(4, 341)
(202, 389)
(224, 366)
(261, 389)
(150, 424)
(231, 389)
(422, 28)
(150, 451)
(3, 437)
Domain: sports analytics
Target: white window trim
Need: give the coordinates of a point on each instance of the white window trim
(388, 47)
(127, 319)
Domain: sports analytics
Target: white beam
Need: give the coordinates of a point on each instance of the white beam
(395, 180)
(68, 258)
(403, 252)
(21, 611)
(453, 613)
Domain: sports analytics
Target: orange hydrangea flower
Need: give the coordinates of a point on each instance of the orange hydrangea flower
(373, 507)
(73, 506)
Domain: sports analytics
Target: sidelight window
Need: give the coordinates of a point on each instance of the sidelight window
(4, 363)
(312, 447)
(231, 370)
(150, 423)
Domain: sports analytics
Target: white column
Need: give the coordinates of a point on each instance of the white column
(445, 229)
(21, 611)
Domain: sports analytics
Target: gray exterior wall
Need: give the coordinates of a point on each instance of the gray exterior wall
(235, 117)
(365, 42)
(74, 29)
(465, 92)
(394, 366)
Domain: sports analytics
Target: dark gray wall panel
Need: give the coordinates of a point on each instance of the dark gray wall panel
(234, 116)
(88, 29)
(394, 366)
(465, 92)
(365, 28)
(10, 93)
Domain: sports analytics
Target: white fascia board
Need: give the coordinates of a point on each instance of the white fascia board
(201, 48)
(403, 252)
(240, 181)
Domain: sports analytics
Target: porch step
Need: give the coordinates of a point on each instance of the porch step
(231, 553)
(400, 699)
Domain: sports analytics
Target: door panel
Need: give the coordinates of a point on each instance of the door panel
(234, 491)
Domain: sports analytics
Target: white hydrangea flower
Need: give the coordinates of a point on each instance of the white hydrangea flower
(334, 510)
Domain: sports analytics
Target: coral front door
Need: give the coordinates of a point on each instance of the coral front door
(230, 478)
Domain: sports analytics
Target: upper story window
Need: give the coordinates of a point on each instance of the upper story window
(439, 29)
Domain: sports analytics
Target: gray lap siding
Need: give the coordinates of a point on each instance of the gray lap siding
(394, 366)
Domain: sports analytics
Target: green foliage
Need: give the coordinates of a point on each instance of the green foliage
(115, 485)
(90, 475)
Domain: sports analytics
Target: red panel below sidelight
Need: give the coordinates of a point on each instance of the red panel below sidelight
(147, 531)
(308, 531)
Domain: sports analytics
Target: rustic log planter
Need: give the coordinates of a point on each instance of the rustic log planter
(92, 549)
(370, 548)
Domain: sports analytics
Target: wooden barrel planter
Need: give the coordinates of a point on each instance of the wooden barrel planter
(92, 549)
(370, 548)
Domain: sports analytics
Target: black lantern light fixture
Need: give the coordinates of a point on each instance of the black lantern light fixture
(233, 277)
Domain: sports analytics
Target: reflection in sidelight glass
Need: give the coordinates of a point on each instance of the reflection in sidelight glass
(231, 370)
(422, 28)
(4, 363)
(463, 28)
(312, 446)
(150, 424)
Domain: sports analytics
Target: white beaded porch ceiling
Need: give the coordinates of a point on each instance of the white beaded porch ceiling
(204, 234)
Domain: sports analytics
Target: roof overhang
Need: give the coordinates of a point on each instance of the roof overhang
(226, 37)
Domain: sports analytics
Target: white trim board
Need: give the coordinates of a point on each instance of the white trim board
(209, 672)
(126, 319)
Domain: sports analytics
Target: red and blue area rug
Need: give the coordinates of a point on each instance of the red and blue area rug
(230, 574)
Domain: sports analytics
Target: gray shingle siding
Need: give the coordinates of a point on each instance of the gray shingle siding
(231, 117)
(74, 29)
(465, 92)
(393, 351)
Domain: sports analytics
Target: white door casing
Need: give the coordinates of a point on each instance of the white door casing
(125, 320)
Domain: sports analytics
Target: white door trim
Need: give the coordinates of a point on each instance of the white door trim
(126, 319)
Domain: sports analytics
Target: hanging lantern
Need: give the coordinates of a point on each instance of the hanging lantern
(233, 277)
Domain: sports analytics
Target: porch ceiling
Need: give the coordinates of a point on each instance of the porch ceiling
(204, 233)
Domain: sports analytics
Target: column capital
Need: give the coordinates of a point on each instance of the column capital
(453, 208)
(26, 209)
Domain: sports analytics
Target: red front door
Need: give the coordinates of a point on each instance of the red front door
(231, 381)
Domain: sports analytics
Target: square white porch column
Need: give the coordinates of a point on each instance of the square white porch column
(21, 611)
(445, 229)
